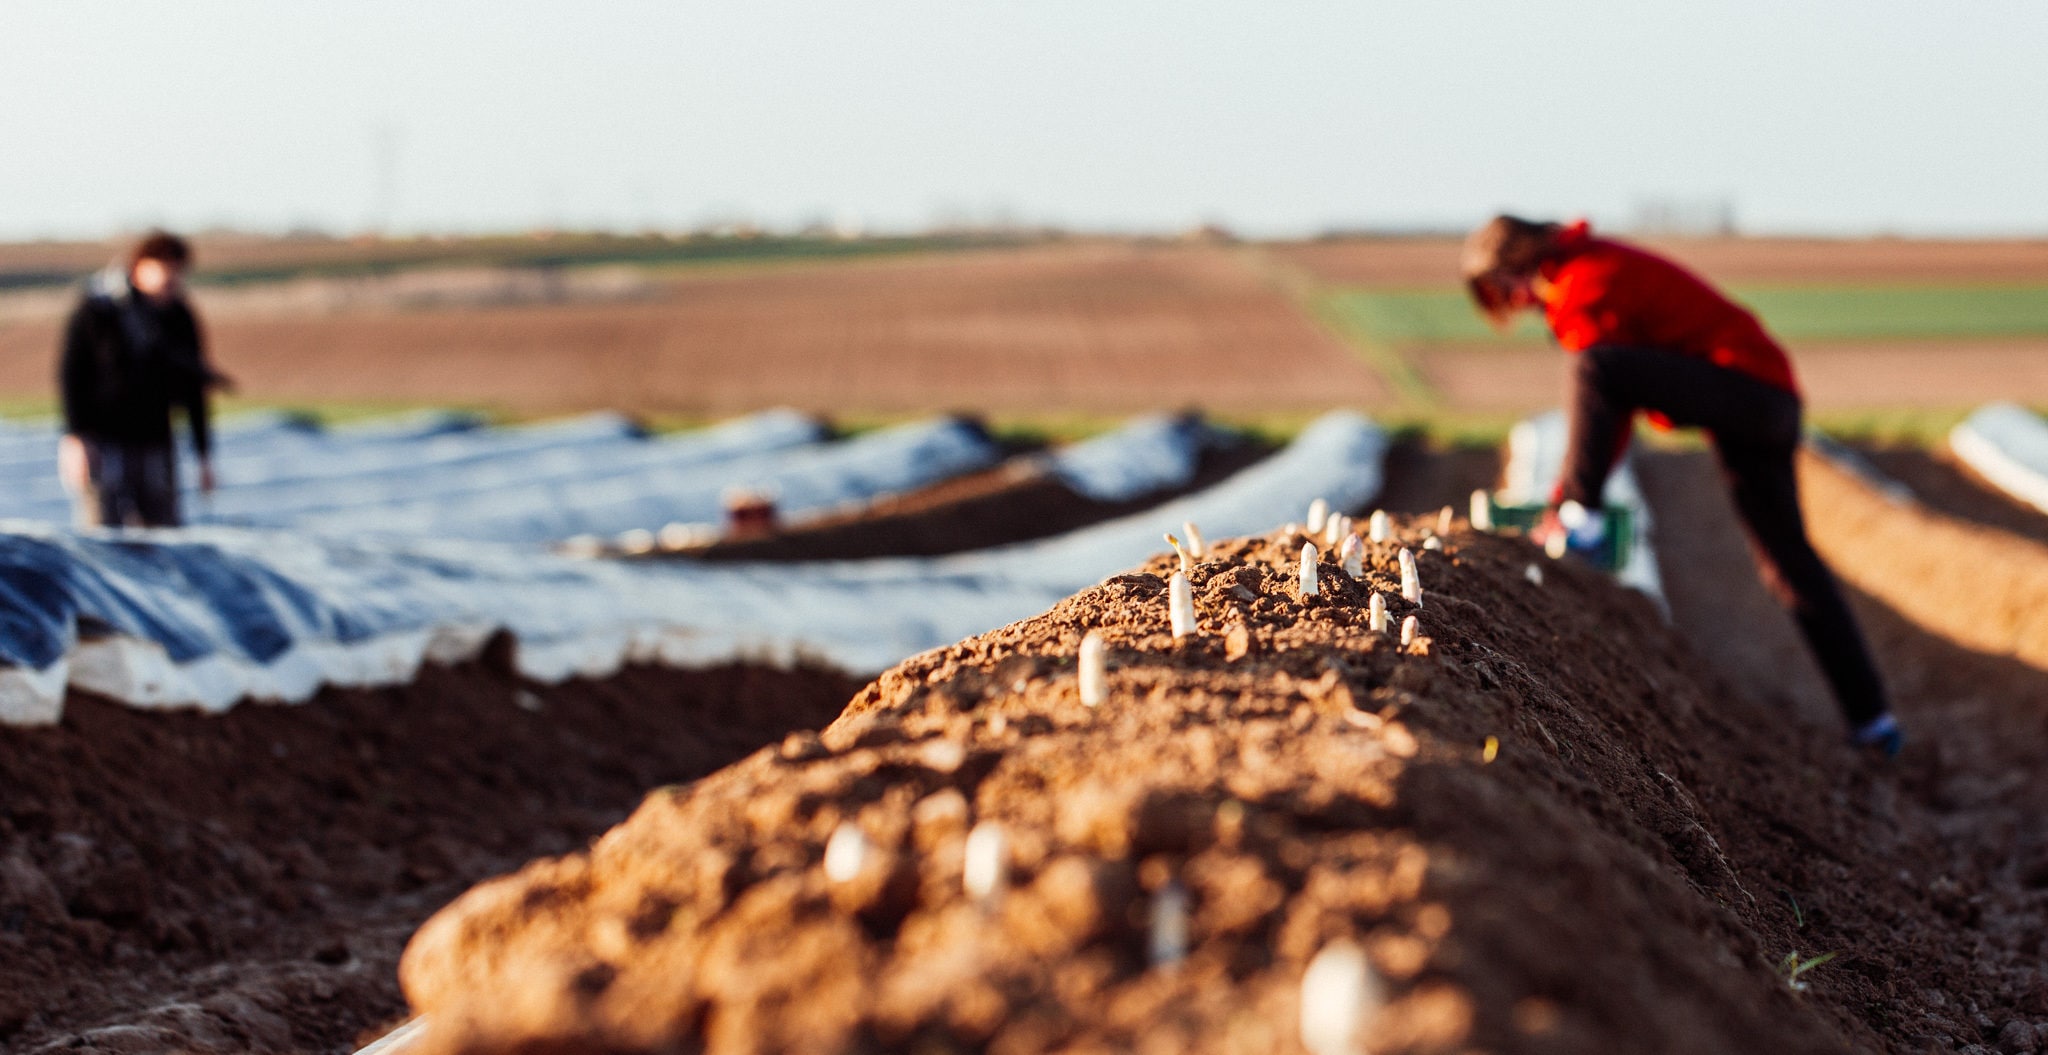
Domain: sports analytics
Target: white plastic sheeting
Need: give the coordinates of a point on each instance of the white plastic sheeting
(373, 447)
(2007, 445)
(208, 616)
(622, 494)
(519, 464)
(1536, 450)
(544, 483)
(1147, 455)
(28, 452)
(277, 471)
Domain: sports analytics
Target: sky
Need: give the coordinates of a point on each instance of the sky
(1274, 118)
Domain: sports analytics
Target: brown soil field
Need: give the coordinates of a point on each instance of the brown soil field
(1837, 375)
(1952, 608)
(1092, 327)
(1627, 875)
(246, 881)
(1942, 481)
(995, 508)
(1834, 376)
(1014, 502)
(1078, 327)
(1434, 261)
(1423, 476)
(1669, 814)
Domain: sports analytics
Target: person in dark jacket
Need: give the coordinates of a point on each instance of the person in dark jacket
(1651, 337)
(132, 354)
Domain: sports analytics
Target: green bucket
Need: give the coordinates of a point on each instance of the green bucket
(1614, 550)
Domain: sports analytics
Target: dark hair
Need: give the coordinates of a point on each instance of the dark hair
(1501, 247)
(161, 245)
(1506, 243)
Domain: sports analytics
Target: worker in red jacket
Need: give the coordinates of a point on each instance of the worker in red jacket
(1651, 337)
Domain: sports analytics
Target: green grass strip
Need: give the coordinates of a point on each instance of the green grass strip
(1353, 322)
(1910, 312)
(1798, 313)
(1339, 312)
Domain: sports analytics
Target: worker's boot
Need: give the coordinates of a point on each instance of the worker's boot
(1881, 734)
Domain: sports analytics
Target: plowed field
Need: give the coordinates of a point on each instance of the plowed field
(244, 882)
(1630, 872)
(1665, 815)
(1094, 327)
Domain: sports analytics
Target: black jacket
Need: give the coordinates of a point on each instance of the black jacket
(127, 363)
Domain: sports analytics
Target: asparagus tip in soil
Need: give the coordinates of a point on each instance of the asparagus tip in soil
(1094, 675)
(1185, 563)
(1169, 939)
(1340, 996)
(1180, 605)
(845, 852)
(1482, 512)
(1534, 574)
(1411, 578)
(1318, 511)
(1409, 628)
(1195, 547)
(986, 868)
(1376, 613)
(1353, 556)
(1443, 521)
(1380, 528)
(1308, 569)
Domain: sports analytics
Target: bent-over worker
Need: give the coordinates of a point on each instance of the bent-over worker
(1651, 337)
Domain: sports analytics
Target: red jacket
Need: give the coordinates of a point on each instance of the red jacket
(1598, 292)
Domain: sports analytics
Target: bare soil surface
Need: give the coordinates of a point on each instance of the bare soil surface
(1079, 327)
(246, 881)
(1097, 326)
(1952, 609)
(1629, 872)
(1423, 476)
(1942, 481)
(1014, 502)
(1834, 376)
(995, 508)
(1946, 373)
(1717, 601)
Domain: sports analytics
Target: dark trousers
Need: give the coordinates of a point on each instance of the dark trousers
(1755, 431)
(133, 485)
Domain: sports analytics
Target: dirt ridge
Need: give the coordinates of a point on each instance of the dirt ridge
(1625, 869)
(245, 881)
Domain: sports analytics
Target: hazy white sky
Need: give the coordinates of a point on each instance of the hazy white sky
(1274, 117)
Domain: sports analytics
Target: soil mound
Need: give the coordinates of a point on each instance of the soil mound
(1955, 835)
(1015, 502)
(1942, 481)
(1545, 825)
(246, 881)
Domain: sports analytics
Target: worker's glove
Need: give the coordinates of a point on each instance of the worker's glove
(1570, 528)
